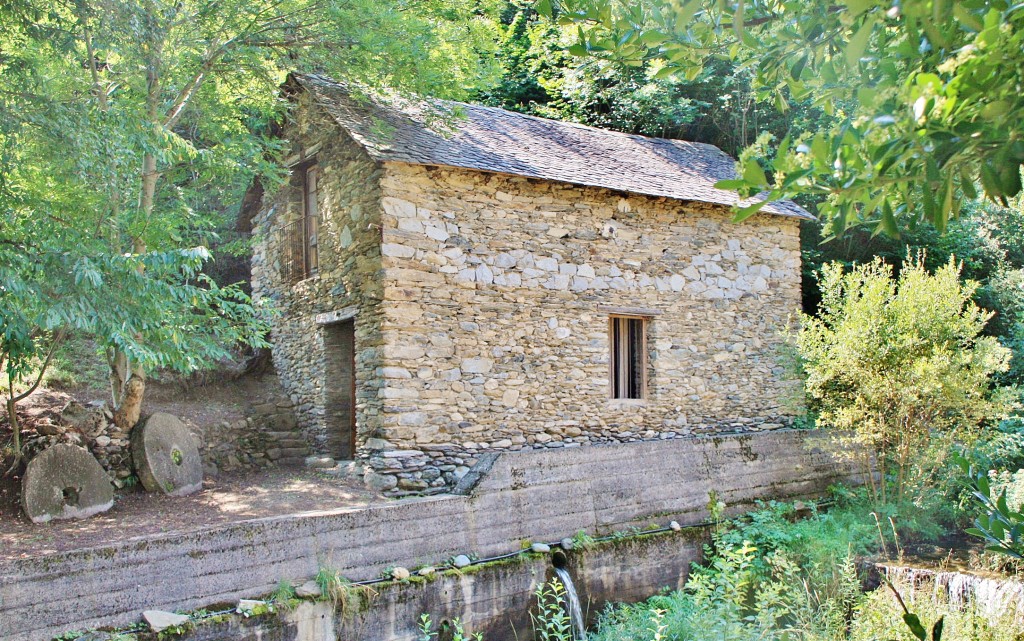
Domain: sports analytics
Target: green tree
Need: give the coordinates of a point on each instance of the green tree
(719, 106)
(125, 126)
(925, 94)
(902, 365)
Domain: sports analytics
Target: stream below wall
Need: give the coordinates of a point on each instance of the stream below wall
(990, 594)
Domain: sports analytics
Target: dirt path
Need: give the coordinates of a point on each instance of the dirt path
(227, 499)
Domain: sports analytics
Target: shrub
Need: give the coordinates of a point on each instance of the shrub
(901, 364)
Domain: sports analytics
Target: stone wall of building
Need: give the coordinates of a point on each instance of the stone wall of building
(482, 302)
(498, 293)
(347, 282)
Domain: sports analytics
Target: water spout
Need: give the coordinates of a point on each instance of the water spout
(572, 600)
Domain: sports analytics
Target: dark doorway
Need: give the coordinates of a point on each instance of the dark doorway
(340, 388)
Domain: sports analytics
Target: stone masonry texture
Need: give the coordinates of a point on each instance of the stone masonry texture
(481, 304)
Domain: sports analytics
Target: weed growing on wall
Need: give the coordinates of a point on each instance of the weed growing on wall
(453, 630)
(551, 622)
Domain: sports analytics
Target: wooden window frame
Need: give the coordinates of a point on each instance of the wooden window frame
(310, 223)
(616, 354)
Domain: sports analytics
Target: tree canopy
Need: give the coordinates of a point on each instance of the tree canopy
(925, 94)
(128, 131)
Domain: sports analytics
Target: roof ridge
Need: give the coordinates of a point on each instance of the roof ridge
(498, 140)
(564, 123)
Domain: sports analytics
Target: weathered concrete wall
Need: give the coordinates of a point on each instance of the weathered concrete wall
(536, 495)
(349, 247)
(493, 599)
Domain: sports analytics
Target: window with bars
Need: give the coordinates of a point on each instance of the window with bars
(310, 222)
(629, 357)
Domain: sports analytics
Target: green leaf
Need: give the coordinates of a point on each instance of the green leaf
(967, 18)
(858, 43)
(798, 68)
(858, 7)
(990, 180)
(914, 623)
(937, 629)
(684, 14)
(730, 185)
(887, 224)
(578, 50)
(543, 7)
(665, 72)
(743, 213)
(753, 174)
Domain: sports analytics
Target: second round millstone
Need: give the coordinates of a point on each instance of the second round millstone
(166, 456)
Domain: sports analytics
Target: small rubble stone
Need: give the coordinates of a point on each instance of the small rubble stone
(427, 571)
(65, 482)
(461, 561)
(540, 548)
(675, 526)
(320, 462)
(309, 590)
(380, 482)
(159, 620)
(567, 544)
(400, 574)
(248, 606)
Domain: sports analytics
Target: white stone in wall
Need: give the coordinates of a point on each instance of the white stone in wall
(398, 208)
(397, 251)
(477, 365)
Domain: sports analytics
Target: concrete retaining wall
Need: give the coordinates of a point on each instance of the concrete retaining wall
(493, 599)
(530, 495)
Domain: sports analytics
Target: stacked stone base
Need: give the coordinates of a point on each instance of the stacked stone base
(434, 469)
(269, 435)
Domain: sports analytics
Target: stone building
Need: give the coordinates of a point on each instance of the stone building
(457, 280)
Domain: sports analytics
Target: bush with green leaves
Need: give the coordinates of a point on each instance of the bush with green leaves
(453, 630)
(900, 364)
(551, 621)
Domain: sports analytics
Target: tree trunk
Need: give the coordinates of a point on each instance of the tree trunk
(130, 408)
(12, 417)
(128, 382)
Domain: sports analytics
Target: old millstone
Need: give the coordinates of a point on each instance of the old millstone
(65, 482)
(166, 457)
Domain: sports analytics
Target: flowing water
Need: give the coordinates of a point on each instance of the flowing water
(992, 596)
(579, 626)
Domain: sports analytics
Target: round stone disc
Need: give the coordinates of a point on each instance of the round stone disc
(166, 457)
(65, 482)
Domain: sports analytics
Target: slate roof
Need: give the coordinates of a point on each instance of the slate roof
(500, 141)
